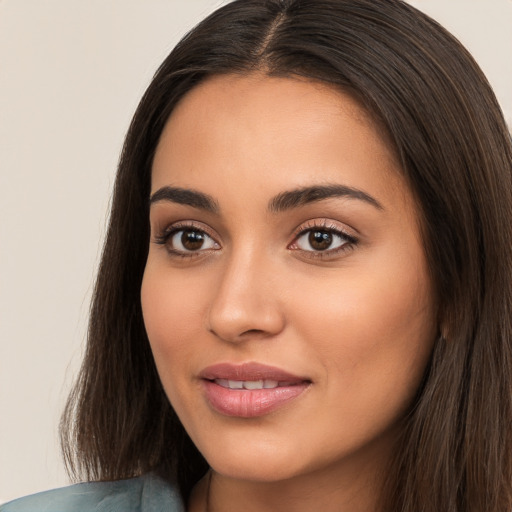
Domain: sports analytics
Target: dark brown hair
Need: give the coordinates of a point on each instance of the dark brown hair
(443, 120)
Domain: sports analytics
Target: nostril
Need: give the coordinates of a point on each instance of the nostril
(242, 336)
(252, 332)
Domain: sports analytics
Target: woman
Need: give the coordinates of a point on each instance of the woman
(304, 296)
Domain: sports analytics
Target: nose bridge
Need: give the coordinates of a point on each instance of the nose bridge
(246, 303)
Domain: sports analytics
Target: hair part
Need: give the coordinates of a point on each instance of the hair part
(435, 106)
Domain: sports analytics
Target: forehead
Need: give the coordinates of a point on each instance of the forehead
(271, 132)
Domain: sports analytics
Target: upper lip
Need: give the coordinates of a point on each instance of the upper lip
(248, 372)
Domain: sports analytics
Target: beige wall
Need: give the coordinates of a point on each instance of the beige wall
(71, 74)
(485, 28)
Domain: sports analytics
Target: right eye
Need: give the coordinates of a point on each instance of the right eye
(187, 241)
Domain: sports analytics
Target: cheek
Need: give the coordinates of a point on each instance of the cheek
(373, 332)
(171, 316)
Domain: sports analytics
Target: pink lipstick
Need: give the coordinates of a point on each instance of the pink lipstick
(251, 389)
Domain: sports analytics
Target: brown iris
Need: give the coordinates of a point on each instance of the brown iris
(320, 240)
(192, 240)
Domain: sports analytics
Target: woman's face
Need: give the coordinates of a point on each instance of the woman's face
(286, 294)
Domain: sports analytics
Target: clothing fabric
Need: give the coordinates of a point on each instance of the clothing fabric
(147, 493)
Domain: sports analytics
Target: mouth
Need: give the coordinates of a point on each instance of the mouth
(250, 390)
(252, 384)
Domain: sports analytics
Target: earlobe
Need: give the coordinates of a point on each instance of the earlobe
(443, 332)
(443, 324)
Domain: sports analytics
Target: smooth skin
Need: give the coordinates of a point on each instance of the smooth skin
(334, 289)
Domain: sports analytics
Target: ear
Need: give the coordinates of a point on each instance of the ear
(443, 326)
(443, 333)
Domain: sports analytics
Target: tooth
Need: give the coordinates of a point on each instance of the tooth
(253, 384)
(250, 384)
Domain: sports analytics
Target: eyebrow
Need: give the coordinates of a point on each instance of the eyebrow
(185, 196)
(284, 201)
(301, 196)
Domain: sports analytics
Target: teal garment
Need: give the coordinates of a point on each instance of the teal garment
(147, 493)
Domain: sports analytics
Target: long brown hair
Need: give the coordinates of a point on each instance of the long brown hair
(438, 111)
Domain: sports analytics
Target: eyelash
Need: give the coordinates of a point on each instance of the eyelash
(167, 234)
(328, 227)
(323, 226)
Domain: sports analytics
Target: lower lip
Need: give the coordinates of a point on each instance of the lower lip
(244, 403)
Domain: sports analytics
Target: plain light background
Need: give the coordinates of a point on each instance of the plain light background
(71, 75)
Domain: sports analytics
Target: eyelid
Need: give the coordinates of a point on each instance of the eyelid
(161, 236)
(327, 225)
(170, 227)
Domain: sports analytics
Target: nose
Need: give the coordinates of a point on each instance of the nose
(246, 302)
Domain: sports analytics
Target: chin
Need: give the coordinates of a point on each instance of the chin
(265, 470)
(260, 461)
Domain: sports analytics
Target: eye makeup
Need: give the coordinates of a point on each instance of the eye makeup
(317, 238)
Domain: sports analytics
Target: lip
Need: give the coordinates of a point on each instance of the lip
(250, 403)
(249, 371)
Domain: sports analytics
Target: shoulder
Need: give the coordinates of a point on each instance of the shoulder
(147, 493)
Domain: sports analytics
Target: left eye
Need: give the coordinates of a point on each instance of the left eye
(320, 240)
(190, 240)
